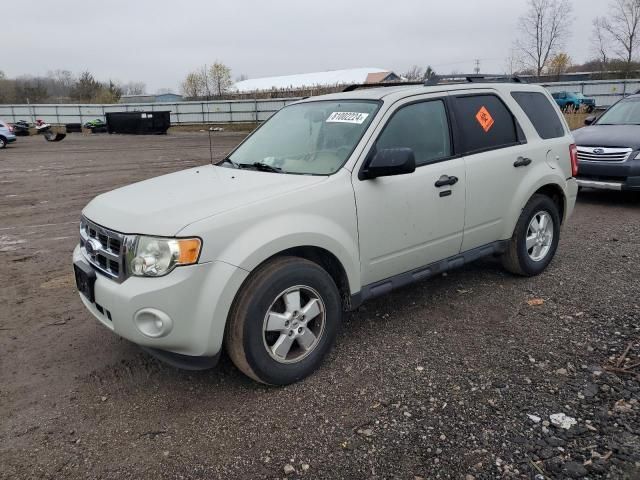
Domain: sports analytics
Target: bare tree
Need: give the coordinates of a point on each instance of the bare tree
(544, 30)
(600, 42)
(414, 74)
(622, 26)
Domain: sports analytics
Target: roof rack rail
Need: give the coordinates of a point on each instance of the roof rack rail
(473, 78)
(358, 86)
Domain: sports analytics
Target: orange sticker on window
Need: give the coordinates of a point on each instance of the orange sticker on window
(485, 119)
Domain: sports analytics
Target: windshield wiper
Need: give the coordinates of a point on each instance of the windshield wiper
(228, 160)
(263, 167)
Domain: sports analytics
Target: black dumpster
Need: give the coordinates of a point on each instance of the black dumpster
(138, 123)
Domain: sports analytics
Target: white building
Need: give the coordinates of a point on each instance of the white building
(318, 79)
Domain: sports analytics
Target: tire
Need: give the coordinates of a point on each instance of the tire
(3, 143)
(519, 259)
(262, 326)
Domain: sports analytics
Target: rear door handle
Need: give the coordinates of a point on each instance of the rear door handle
(446, 180)
(522, 162)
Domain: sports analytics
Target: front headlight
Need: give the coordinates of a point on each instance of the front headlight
(155, 257)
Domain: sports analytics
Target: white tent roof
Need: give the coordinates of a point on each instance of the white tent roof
(333, 77)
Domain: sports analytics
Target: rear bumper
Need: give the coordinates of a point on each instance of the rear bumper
(10, 138)
(610, 175)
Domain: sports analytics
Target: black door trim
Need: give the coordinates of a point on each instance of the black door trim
(403, 279)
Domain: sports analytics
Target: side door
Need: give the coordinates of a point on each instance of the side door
(497, 160)
(407, 221)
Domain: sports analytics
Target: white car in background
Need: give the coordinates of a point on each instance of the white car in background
(335, 200)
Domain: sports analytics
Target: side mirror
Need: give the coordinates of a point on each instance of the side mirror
(390, 161)
(590, 119)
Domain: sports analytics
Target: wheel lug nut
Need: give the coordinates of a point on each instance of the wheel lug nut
(290, 332)
(286, 324)
(299, 329)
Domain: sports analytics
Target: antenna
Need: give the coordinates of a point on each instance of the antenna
(210, 147)
(476, 70)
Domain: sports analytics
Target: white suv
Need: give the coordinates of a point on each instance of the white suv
(335, 200)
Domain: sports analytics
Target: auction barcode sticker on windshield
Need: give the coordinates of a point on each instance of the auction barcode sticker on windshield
(347, 117)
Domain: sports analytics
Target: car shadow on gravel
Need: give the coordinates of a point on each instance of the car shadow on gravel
(609, 197)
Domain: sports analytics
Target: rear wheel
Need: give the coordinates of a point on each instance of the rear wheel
(535, 238)
(284, 321)
(3, 142)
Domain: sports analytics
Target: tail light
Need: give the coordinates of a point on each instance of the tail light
(573, 153)
(10, 127)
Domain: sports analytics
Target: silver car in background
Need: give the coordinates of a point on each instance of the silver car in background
(6, 134)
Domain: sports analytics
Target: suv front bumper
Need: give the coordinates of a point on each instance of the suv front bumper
(610, 175)
(192, 304)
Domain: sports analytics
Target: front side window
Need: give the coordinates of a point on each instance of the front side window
(626, 112)
(541, 112)
(313, 138)
(423, 127)
(485, 123)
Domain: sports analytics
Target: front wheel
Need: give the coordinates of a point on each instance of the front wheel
(284, 321)
(535, 238)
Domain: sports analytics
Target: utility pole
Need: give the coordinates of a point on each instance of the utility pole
(476, 70)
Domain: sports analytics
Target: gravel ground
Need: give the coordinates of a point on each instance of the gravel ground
(456, 377)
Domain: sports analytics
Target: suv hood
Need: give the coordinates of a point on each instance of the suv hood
(608, 136)
(164, 205)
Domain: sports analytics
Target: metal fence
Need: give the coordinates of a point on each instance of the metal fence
(605, 92)
(230, 111)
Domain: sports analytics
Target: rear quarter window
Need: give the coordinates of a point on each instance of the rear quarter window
(541, 112)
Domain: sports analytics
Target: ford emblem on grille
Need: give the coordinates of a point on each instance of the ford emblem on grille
(598, 151)
(92, 246)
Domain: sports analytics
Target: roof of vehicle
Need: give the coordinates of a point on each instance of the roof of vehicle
(398, 92)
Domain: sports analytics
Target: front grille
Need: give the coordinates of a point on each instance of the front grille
(603, 154)
(104, 249)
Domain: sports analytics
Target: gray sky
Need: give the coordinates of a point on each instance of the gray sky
(159, 41)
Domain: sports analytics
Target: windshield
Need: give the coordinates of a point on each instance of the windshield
(307, 138)
(626, 112)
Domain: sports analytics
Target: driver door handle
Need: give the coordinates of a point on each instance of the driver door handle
(446, 180)
(522, 162)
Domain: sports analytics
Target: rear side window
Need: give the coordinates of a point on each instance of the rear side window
(541, 113)
(485, 123)
(423, 127)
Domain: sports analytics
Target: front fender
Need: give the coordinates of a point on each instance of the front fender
(323, 216)
(274, 235)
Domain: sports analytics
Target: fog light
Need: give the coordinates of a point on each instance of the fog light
(153, 323)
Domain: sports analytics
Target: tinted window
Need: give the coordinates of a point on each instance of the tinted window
(485, 123)
(422, 127)
(541, 113)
